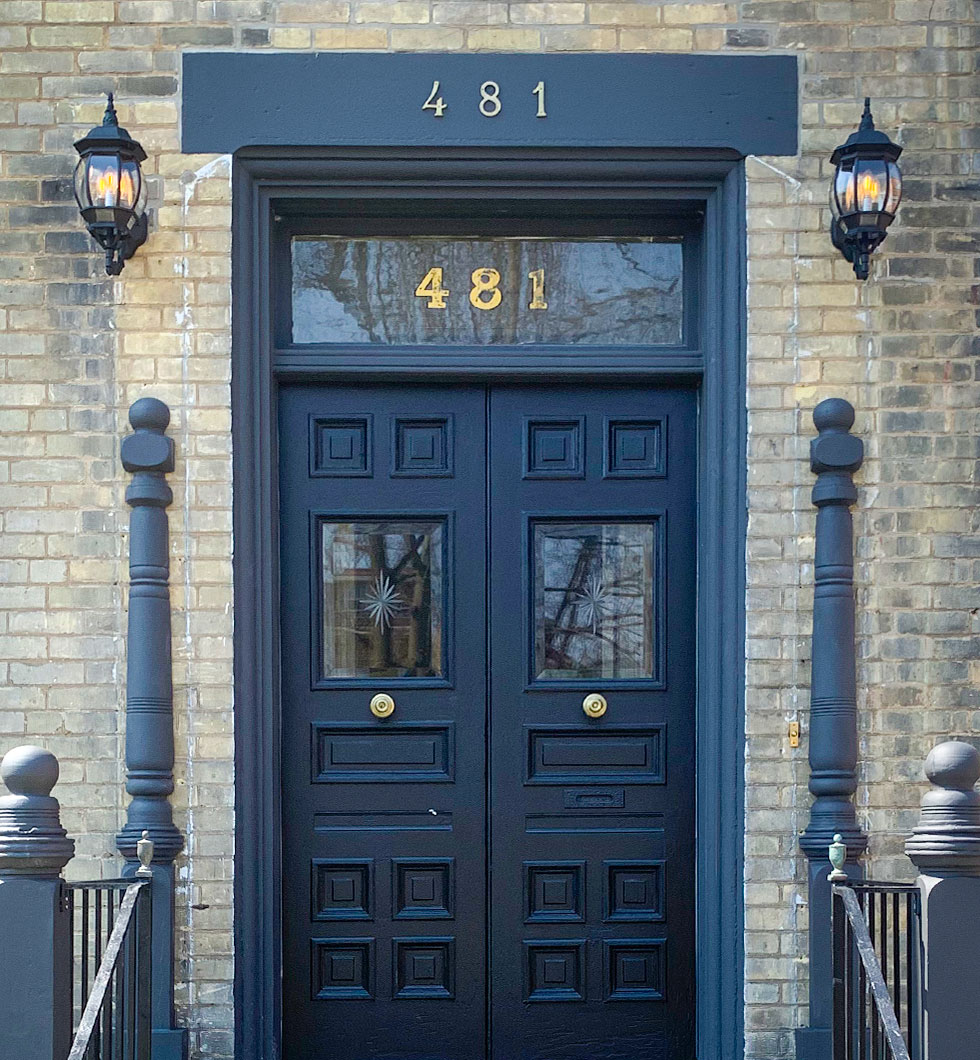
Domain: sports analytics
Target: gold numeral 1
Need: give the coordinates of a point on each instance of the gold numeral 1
(431, 288)
(538, 91)
(537, 290)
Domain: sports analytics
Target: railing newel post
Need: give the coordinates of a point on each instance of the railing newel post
(945, 848)
(35, 968)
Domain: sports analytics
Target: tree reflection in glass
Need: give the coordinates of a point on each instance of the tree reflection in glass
(601, 291)
(594, 600)
(382, 599)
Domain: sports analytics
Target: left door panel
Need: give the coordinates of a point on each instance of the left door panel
(383, 554)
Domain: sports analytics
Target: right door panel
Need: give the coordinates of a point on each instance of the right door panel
(592, 824)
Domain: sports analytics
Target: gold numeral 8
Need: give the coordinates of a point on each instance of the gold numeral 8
(485, 282)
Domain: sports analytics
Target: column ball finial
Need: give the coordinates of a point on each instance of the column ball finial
(29, 771)
(833, 414)
(149, 413)
(946, 841)
(953, 765)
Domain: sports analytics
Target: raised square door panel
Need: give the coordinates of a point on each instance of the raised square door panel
(423, 888)
(343, 969)
(422, 448)
(341, 447)
(554, 970)
(343, 890)
(425, 968)
(554, 891)
(555, 448)
(635, 970)
(635, 449)
(634, 890)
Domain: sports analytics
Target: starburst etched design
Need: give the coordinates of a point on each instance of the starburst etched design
(382, 602)
(594, 602)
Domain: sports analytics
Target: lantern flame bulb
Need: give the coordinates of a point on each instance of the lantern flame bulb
(105, 187)
(869, 192)
(112, 188)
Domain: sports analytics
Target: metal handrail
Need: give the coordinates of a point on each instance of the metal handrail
(846, 902)
(125, 964)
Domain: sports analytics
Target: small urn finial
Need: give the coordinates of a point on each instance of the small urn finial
(946, 841)
(144, 851)
(838, 856)
(32, 841)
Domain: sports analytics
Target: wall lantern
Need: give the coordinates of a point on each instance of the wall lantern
(865, 194)
(110, 191)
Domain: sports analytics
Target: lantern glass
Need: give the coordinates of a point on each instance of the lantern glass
(100, 186)
(870, 185)
(894, 188)
(80, 196)
(132, 194)
(842, 192)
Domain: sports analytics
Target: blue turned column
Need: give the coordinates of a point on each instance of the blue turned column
(148, 454)
(835, 455)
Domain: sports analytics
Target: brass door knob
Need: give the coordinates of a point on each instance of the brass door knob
(382, 706)
(595, 705)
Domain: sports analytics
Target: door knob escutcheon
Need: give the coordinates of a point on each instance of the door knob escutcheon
(382, 705)
(595, 705)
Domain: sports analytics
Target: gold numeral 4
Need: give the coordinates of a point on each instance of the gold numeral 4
(431, 288)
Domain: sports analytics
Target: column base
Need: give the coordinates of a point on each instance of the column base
(169, 1043)
(812, 1043)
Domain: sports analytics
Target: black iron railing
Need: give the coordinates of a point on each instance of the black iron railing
(877, 944)
(111, 969)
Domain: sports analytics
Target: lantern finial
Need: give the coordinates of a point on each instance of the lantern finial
(110, 117)
(867, 121)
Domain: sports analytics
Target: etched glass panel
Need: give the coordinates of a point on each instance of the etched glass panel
(478, 292)
(383, 593)
(594, 600)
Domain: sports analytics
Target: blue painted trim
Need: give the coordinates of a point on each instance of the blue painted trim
(263, 179)
(742, 103)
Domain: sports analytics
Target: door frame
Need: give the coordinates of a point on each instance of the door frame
(714, 181)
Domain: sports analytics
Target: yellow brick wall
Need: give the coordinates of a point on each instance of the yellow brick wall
(77, 348)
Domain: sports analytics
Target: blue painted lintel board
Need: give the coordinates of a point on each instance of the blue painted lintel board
(742, 103)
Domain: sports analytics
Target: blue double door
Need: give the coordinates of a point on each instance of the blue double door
(488, 687)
